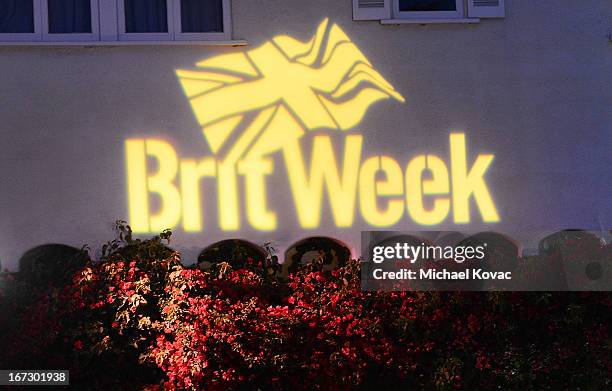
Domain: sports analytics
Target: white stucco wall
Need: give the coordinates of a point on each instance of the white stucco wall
(534, 88)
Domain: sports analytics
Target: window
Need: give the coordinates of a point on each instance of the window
(196, 17)
(16, 17)
(114, 20)
(70, 20)
(145, 20)
(49, 20)
(427, 11)
(424, 9)
(173, 19)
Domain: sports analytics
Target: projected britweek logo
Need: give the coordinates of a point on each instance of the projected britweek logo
(258, 103)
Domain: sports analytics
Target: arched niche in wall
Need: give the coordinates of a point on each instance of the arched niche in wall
(235, 252)
(51, 265)
(145, 250)
(501, 252)
(392, 239)
(452, 238)
(581, 259)
(333, 252)
(560, 241)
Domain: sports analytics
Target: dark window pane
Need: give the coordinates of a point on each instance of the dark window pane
(16, 16)
(427, 5)
(69, 16)
(146, 16)
(202, 16)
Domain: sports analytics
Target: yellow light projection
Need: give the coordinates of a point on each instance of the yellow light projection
(253, 104)
(319, 84)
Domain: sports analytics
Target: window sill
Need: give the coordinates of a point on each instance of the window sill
(431, 21)
(235, 42)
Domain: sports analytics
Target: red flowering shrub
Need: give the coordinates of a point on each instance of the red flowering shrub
(151, 322)
(216, 331)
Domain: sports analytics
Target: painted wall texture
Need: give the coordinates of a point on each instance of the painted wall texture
(534, 89)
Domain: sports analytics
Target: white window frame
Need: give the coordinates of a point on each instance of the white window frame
(179, 35)
(125, 36)
(108, 26)
(175, 26)
(41, 27)
(458, 14)
(72, 37)
(27, 37)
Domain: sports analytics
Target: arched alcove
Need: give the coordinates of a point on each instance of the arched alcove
(580, 258)
(558, 241)
(333, 252)
(501, 252)
(452, 238)
(233, 251)
(51, 264)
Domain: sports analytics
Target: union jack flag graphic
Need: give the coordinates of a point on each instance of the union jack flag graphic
(252, 103)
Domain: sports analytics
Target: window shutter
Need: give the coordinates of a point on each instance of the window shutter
(486, 8)
(371, 9)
